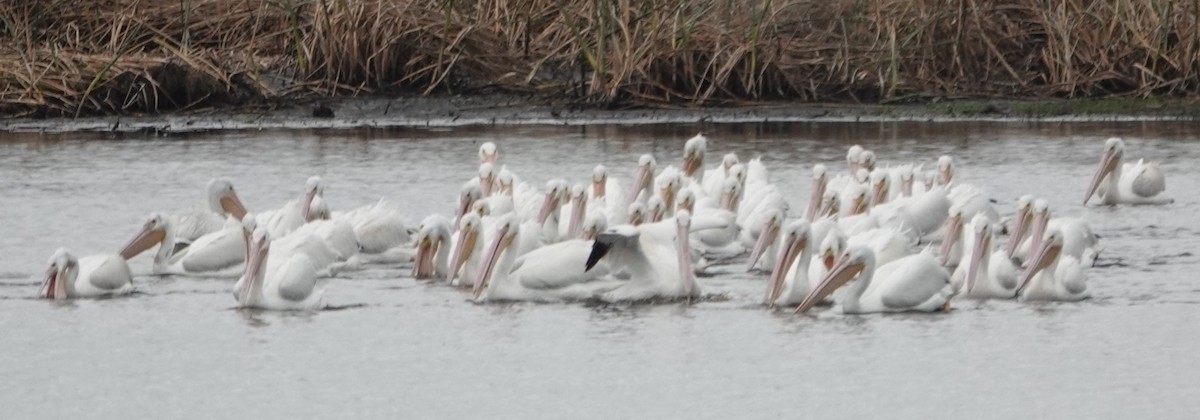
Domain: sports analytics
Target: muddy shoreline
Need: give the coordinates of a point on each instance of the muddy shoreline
(452, 111)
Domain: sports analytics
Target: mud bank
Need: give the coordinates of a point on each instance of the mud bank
(449, 111)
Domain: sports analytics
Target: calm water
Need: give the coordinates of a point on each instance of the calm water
(404, 349)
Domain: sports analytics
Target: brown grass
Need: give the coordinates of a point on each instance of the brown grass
(125, 56)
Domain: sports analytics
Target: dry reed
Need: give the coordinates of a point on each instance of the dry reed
(127, 56)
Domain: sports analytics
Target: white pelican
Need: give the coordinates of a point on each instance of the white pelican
(1053, 275)
(1137, 183)
(487, 178)
(643, 180)
(1020, 224)
(217, 251)
(693, 156)
(294, 213)
(277, 280)
(789, 282)
(1079, 241)
(488, 153)
(636, 214)
(985, 272)
(90, 276)
(222, 201)
(656, 209)
(468, 250)
(669, 182)
(769, 240)
(655, 256)
(852, 155)
(433, 248)
(577, 210)
(606, 198)
(913, 283)
(951, 249)
(551, 273)
(467, 196)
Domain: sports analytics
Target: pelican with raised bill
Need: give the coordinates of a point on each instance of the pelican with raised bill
(911, 284)
(551, 273)
(655, 256)
(287, 285)
(92, 276)
(1129, 183)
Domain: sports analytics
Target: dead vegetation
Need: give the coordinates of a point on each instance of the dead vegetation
(69, 58)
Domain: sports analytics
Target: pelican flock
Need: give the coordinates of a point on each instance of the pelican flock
(866, 241)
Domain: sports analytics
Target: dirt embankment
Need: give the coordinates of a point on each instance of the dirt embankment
(135, 57)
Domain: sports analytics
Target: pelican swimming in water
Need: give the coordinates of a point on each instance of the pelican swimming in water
(693, 157)
(468, 250)
(215, 252)
(985, 272)
(433, 248)
(789, 282)
(550, 273)
(655, 256)
(294, 213)
(1052, 274)
(280, 280)
(911, 284)
(92, 276)
(1131, 183)
(223, 201)
(1079, 241)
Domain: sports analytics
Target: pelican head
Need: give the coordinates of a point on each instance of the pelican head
(945, 170)
(222, 199)
(506, 234)
(728, 161)
(260, 245)
(505, 179)
(738, 173)
(685, 200)
(1114, 150)
(669, 183)
(1047, 254)
(852, 156)
(731, 194)
(855, 260)
(312, 188)
(592, 227)
(432, 235)
(556, 190)
(59, 281)
(930, 180)
(655, 209)
(487, 178)
(599, 181)
(153, 232)
(636, 214)
(1021, 223)
(831, 204)
(579, 203)
(952, 231)
(467, 196)
(831, 247)
(866, 160)
(795, 240)
(644, 176)
(693, 154)
(488, 153)
(859, 200)
(982, 228)
(820, 181)
(881, 185)
(771, 225)
(468, 235)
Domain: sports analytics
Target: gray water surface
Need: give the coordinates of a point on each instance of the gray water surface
(178, 349)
